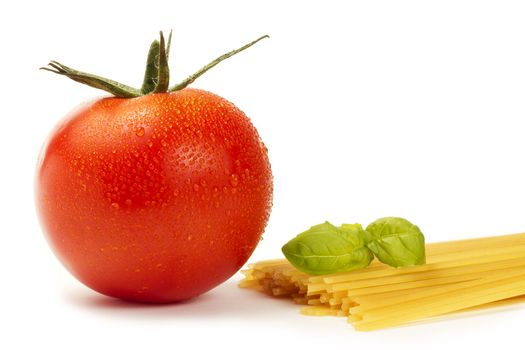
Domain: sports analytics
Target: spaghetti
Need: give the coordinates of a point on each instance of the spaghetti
(458, 276)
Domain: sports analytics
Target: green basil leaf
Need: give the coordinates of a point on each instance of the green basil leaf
(396, 242)
(327, 249)
(321, 228)
(355, 231)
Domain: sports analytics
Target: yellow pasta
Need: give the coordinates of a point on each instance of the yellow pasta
(459, 275)
(438, 305)
(374, 302)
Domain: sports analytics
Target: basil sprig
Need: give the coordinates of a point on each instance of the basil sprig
(326, 248)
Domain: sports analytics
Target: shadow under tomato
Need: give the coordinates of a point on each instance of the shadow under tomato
(226, 300)
(102, 301)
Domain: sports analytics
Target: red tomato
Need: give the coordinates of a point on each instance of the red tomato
(157, 198)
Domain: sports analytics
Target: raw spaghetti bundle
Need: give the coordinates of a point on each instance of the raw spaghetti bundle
(458, 275)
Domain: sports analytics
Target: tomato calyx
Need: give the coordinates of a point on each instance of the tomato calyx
(156, 76)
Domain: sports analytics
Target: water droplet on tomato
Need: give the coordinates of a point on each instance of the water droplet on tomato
(140, 132)
(234, 180)
(115, 206)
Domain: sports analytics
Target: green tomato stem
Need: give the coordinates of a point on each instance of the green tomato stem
(152, 71)
(111, 86)
(168, 45)
(156, 76)
(212, 64)
(163, 78)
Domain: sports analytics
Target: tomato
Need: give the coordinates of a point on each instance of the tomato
(156, 198)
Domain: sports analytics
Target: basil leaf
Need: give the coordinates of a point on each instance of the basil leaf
(321, 228)
(355, 230)
(325, 249)
(396, 242)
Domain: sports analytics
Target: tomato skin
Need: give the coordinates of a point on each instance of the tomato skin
(157, 198)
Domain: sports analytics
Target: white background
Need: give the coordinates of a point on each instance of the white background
(368, 109)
